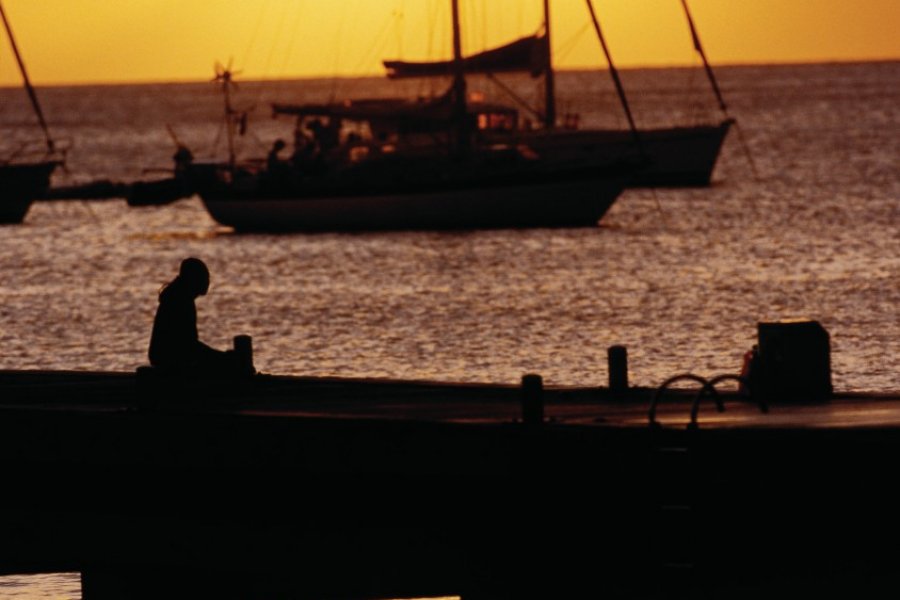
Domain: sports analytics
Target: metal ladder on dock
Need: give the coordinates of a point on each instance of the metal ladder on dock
(679, 484)
(675, 487)
(674, 518)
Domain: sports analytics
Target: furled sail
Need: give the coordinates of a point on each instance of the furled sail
(525, 55)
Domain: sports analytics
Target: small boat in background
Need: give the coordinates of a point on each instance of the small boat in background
(22, 180)
(141, 192)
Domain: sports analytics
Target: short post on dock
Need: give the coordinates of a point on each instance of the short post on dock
(617, 360)
(243, 352)
(532, 399)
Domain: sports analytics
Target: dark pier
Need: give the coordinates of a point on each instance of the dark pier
(284, 487)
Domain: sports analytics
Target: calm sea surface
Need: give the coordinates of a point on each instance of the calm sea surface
(681, 277)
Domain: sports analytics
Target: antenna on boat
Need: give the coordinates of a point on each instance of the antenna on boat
(225, 76)
(715, 85)
(51, 147)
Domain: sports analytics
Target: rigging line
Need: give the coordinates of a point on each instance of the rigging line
(275, 41)
(337, 55)
(659, 207)
(291, 40)
(292, 36)
(432, 33)
(261, 87)
(255, 33)
(618, 82)
(746, 148)
(28, 87)
(521, 17)
(16, 153)
(715, 86)
(379, 43)
(336, 79)
(484, 20)
(255, 138)
(399, 26)
(432, 27)
(217, 140)
(515, 97)
(568, 45)
(90, 211)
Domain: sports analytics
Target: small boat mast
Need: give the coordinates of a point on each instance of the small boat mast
(225, 76)
(459, 85)
(51, 147)
(549, 83)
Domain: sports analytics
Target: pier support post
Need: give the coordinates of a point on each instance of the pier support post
(243, 351)
(532, 399)
(617, 361)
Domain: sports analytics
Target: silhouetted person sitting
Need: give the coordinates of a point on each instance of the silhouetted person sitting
(273, 161)
(278, 170)
(327, 135)
(305, 150)
(174, 344)
(182, 158)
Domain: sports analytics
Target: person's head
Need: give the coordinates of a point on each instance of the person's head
(279, 145)
(194, 275)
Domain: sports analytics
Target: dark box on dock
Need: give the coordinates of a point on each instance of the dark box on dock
(794, 361)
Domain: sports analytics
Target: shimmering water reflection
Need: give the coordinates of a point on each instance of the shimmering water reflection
(681, 277)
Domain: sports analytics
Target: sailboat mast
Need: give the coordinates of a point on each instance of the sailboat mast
(28, 87)
(229, 118)
(460, 110)
(615, 76)
(699, 48)
(549, 84)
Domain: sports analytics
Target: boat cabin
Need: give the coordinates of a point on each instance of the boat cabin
(386, 125)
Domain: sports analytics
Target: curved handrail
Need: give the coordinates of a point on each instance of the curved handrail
(710, 387)
(763, 406)
(675, 378)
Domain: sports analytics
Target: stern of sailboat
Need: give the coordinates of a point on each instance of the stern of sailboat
(22, 183)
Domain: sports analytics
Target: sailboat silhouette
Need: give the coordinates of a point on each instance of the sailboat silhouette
(22, 180)
(674, 156)
(454, 182)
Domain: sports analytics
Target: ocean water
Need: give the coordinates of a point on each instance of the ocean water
(679, 276)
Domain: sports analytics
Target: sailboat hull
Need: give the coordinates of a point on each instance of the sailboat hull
(20, 184)
(676, 156)
(543, 202)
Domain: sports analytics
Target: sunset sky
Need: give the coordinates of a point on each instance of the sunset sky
(88, 41)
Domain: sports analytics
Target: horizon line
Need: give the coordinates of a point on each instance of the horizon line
(176, 81)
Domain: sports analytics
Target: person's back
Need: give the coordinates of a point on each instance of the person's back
(174, 342)
(174, 336)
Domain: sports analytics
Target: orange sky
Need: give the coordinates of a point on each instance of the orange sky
(84, 41)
